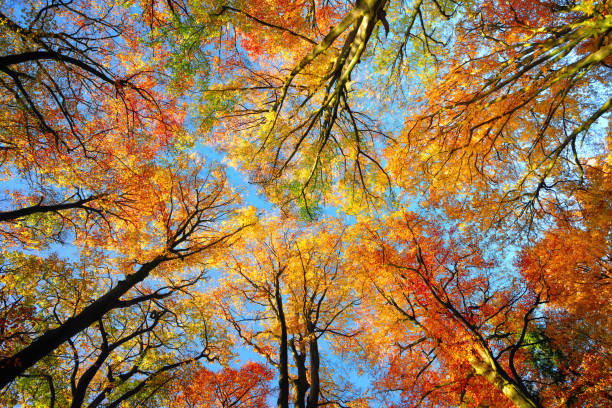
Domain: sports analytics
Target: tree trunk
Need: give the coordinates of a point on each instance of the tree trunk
(283, 367)
(301, 383)
(484, 366)
(313, 395)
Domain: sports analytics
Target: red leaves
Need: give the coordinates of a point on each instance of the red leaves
(246, 387)
(520, 13)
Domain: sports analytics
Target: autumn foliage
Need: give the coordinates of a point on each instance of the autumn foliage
(245, 387)
(305, 203)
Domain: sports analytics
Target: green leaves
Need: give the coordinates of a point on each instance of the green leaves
(546, 359)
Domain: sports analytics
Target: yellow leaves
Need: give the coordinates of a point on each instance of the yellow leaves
(587, 7)
(247, 215)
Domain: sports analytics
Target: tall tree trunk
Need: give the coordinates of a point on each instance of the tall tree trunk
(313, 395)
(484, 366)
(301, 383)
(283, 366)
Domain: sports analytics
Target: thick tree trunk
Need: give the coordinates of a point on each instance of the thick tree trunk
(11, 367)
(313, 395)
(283, 366)
(484, 366)
(301, 383)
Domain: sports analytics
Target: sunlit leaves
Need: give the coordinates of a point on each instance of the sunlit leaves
(246, 387)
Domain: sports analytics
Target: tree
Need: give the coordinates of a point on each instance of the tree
(129, 353)
(100, 151)
(573, 263)
(453, 327)
(468, 139)
(463, 333)
(93, 138)
(287, 70)
(510, 121)
(502, 107)
(82, 120)
(286, 293)
(182, 225)
(63, 63)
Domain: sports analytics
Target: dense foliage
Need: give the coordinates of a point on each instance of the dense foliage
(435, 178)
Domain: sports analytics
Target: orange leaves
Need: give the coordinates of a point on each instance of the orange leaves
(571, 263)
(524, 14)
(492, 132)
(572, 260)
(454, 330)
(96, 144)
(246, 387)
(87, 116)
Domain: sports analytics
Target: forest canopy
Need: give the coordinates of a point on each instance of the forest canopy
(305, 203)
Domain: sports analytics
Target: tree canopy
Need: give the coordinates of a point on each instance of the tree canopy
(305, 203)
